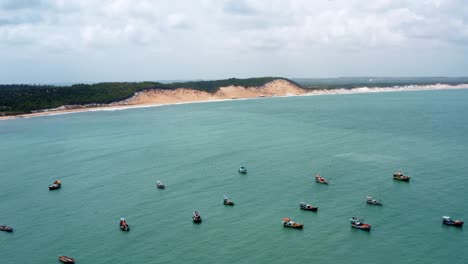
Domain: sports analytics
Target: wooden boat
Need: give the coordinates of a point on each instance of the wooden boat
(446, 220)
(66, 259)
(227, 201)
(196, 217)
(6, 228)
(357, 223)
(320, 179)
(56, 185)
(372, 201)
(307, 207)
(243, 170)
(398, 175)
(287, 222)
(123, 225)
(160, 185)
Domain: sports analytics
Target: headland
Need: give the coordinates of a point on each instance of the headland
(118, 96)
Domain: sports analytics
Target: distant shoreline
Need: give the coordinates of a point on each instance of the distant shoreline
(190, 99)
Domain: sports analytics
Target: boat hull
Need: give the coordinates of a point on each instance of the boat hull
(297, 226)
(243, 170)
(364, 227)
(6, 228)
(405, 179)
(54, 187)
(313, 209)
(454, 223)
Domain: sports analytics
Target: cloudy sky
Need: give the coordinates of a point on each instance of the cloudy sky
(54, 41)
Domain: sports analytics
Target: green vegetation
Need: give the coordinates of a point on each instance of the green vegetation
(355, 82)
(20, 99)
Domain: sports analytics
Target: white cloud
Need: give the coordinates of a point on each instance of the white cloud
(177, 21)
(227, 31)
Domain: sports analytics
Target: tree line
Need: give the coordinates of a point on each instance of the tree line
(26, 98)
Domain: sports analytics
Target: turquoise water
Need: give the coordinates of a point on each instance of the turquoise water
(109, 163)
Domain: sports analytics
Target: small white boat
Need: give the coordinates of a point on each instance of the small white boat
(160, 185)
(227, 201)
(243, 170)
(372, 201)
(196, 217)
(307, 207)
(398, 175)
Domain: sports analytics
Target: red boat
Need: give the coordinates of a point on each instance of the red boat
(307, 207)
(320, 179)
(123, 225)
(287, 222)
(65, 259)
(357, 223)
(446, 220)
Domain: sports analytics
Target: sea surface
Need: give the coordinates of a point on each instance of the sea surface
(109, 162)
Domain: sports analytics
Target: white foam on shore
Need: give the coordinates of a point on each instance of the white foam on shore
(357, 90)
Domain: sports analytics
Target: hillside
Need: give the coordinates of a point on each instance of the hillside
(24, 98)
(276, 87)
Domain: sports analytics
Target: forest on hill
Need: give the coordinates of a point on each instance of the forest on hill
(26, 98)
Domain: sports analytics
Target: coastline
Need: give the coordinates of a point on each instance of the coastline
(278, 88)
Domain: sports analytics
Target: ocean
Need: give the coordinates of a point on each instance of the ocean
(109, 162)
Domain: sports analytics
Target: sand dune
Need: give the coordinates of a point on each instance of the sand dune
(180, 95)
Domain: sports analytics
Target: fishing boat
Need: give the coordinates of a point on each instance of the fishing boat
(160, 185)
(398, 175)
(227, 201)
(243, 170)
(66, 259)
(55, 185)
(196, 217)
(446, 220)
(357, 223)
(307, 207)
(372, 201)
(123, 225)
(287, 222)
(6, 228)
(320, 179)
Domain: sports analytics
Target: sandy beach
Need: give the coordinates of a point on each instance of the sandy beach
(182, 95)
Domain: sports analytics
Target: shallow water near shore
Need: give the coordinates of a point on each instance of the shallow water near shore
(109, 163)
